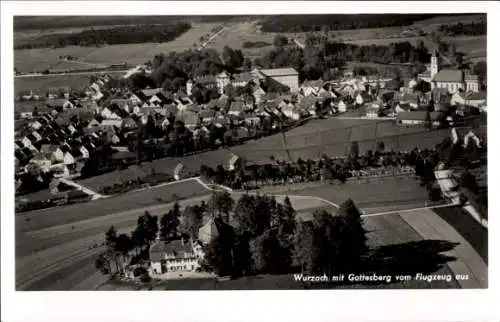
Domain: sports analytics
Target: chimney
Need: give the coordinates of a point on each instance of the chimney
(182, 241)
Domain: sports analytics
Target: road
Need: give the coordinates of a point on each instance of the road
(56, 248)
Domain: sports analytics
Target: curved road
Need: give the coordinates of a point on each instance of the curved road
(55, 249)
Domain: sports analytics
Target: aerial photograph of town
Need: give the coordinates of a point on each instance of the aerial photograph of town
(250, 152)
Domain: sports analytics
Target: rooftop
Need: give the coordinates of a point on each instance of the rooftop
(448, 75)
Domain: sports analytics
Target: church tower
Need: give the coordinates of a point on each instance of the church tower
(434, 63)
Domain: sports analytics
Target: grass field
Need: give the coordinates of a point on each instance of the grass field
(333, 137)
(313, 140)
(42, 83)
(56, 216)
(395, 191)
(28, 60)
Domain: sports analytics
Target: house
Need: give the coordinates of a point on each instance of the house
(372, 112)
(26, 115)
(179, 171)
(212, 229)
(108, 114)
(68, 158)
(402, 108)
(93, 123)
(112, 122)
(362, 97)
(258, 93)
(288, 77)
(311, 87)
(237, 107)
(251, 119)
(411, 99)
(174, 256)
(35, 125)
(476, 99)
(207, 116)
(128, 123)
(55, 153)
(42, 161)
(291, 112)
(417, 118)
(235, 163)
(60, 170)
(190, 119)
(341, 106)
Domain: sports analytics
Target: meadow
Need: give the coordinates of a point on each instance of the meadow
(28, 60)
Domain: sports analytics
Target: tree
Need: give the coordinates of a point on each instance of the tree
(427, 121)
(191, 221)
(354, 150)
(111, 238)
(169, 223)
(223, 202)
(306, 250)
(35, 111)
(267, 253)
(219, 256)
(280, 40)
(354, 234)
(380, 146)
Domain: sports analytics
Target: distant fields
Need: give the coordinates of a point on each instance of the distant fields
(29, 60)
(40, 84)
(236, 33)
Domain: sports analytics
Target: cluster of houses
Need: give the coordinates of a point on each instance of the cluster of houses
(56, 141)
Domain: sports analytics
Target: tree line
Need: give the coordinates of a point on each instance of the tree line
(464, 29)
(306, 23)
(111, 36)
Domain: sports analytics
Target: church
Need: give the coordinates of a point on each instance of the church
(452, 79)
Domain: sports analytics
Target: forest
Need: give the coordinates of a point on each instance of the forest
(111, 36)
(306, 23)
(461, 29)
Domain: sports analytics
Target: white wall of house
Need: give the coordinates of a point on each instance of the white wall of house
(68, 158)
(341, 107)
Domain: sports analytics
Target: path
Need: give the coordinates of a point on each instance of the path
(94, 194)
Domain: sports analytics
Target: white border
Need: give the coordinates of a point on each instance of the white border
(243, 305)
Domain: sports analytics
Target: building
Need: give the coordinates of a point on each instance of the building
(174, 256)
(288, 77)
(476, 99)
(417, 118)
(452, 79)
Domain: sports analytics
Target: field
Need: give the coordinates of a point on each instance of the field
(313, 140)
(40, 84)
(29, 60)
(333, 137)
(376, 194)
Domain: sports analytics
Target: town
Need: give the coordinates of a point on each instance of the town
(208, 165)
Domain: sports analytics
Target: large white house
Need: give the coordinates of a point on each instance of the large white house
(174, 256)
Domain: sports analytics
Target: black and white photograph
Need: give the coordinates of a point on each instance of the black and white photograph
(235, 152)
